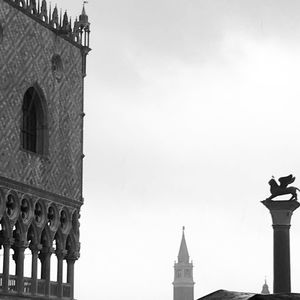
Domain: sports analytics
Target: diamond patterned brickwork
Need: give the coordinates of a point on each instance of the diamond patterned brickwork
(26, 51)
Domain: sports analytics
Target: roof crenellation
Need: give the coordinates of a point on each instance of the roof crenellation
(76, 32)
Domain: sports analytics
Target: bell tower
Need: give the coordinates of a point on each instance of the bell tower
(265, 288)
(42, 70)
(183, 274)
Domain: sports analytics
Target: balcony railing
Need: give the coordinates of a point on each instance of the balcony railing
(66, 290)
(12, 283)
(27, 285)
(53, 289)
(40, 286)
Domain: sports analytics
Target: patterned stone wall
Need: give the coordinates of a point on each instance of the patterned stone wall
(27, 53)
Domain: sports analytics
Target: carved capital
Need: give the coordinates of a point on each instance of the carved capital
(35, 248)
(8, 242)
(72, 257)
(19, 246)
(45, 253)
(61, 254)
(281, 211)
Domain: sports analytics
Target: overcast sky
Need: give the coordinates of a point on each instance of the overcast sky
(191, 106)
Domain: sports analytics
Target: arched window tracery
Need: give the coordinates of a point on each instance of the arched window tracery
(34, 132)
(39, 247)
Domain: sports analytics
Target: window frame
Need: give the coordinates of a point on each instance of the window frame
(39, 143)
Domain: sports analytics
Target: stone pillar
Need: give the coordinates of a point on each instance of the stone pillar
(45, 258)
(19, 249)
(60, 254)
(34, 263)
(70, 274)
(281, 212)
(6, 249)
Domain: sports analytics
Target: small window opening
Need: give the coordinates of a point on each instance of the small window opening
(34, 129)
(57, 67)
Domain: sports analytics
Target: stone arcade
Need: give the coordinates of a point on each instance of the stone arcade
(42, 70)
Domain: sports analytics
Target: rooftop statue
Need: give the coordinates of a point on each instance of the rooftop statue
(283, 188)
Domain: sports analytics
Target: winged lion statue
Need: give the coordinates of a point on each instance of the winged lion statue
(283, 188)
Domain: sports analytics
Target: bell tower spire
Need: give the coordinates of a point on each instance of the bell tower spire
(265, 288)
(183, 255)
(183, 273)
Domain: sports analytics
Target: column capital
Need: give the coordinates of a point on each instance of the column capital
(60, 253)
(8, 241)
(281, 211)
(281, 227)
(45, 252)
(73, 256)
(35, 248)
(20, 245)
(71, 259)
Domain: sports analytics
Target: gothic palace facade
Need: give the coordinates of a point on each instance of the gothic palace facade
(42, 70)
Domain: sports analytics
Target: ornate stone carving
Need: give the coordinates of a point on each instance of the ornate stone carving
(78, 33)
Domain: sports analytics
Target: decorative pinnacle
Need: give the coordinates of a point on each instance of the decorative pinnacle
(55, 19)
(83, 7)
(183, 255)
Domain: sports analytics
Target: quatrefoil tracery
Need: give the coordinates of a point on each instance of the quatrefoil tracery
(38, 213)
(11, 206)
(25, 209)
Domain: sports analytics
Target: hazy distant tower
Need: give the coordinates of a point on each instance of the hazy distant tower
(183, 274)
(42, 70)
(265, 288)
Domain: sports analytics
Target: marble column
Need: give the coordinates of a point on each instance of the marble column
(19, 249)
(34, 264)
(60, 254)
(6, 249)
(45, 258)
(70, 274)
(281, 212)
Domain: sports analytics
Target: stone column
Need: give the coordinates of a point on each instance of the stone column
(70, 273)
(281, 212)
(34, 263)
(45, 257)
(6, 249)
(19, 249)
(60, 254)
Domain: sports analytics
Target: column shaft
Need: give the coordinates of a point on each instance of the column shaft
(70, 275)
(282, 273)
(6, 247)
(34, 265)
(45, 257)
(60, 258)
(20, 267)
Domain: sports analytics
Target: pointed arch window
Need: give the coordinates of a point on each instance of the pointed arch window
(34, 125)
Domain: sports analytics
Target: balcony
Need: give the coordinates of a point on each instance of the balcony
(56, 291)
